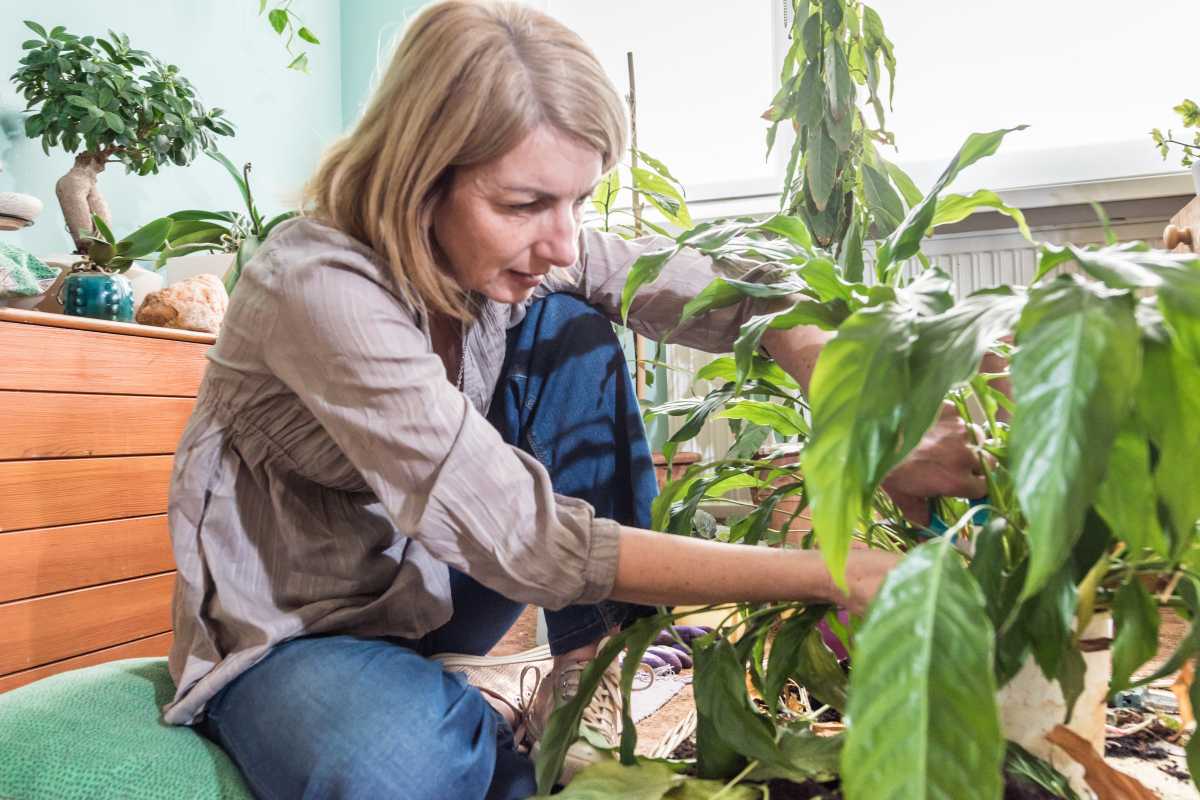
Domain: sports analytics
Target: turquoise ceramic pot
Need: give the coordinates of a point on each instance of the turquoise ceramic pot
(98, 295)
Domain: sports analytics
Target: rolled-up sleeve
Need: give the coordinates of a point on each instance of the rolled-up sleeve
(357, 359)
(605, 260)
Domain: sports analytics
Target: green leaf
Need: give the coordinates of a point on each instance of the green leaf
(922, 713)
(834, 12)
(784, 420)
(38, 29)
(1025, 767)
(307, 35)
(791, 228)
(1049, 621)
(645, 270)
(299, 63)
(838, 84)
(819, 672)
(803, 312)
(563, 726)
(850, 257)
(278, 18)
(1073, 374)
(905, 241)
(957, 207)
(605, 196)
(663, 195)
(1127, 500)
(882, 200)
(145, 240)
(609, 780)
(657, 166)
(809, 757)
(114, 122)
(1135, 617)
(820, 167)
(785, 652)
(99, 225)
(1168, 406)
(234, 172)
(810, 97)
(858, 395)
(908, 190)
(719, 683)
(196, 215)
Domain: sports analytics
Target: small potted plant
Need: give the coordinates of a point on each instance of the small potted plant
(106, 102)
(1189, 112)
(95, 286)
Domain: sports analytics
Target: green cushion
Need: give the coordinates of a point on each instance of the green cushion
(95, 733)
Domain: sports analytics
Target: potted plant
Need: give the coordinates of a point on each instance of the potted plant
(106, 102)
(1189, 113)
(96, 286)
(1092, 507)
(197, 231)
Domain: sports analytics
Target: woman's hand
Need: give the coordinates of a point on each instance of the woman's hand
(865, 573)
(941, 465)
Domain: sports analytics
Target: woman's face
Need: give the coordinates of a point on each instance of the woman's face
(504, 224)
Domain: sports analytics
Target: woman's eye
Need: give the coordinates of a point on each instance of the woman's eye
(523, 206)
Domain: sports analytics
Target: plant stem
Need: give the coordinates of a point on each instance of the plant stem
(736, 780)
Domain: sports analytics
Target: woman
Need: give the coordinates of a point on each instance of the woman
(417, 420)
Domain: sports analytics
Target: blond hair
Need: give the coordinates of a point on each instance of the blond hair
(468, 82)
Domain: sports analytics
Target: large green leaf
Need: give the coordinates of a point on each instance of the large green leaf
(885, 205)
(818, 671)
(922, 714)
(1135, 617)
(663, 195)
(145, 240)
(785, 652)
(1127, 500)
(948, 351)
(645, 270)
(1168, 406)
(820, 166)
(809, 757)
(784, 420)
(905, 241)
(721, 699)
(957, 207)
(838, 84)
(858, 394)
(1078, 360)
(610, 780)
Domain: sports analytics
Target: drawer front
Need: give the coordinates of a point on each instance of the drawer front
(42, 494)
(42, 358)
(45, 629)
(58, 425)
(48, 560)
(157, 645)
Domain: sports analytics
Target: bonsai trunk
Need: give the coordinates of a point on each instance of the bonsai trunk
(80, 197)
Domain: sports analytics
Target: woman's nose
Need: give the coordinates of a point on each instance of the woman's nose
(559, 242)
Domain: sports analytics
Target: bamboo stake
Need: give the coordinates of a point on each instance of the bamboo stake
(639, 342)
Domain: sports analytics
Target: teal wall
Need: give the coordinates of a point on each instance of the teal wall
(369, 31)
(235, 61)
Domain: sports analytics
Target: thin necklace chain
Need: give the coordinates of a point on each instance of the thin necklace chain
(462, 357)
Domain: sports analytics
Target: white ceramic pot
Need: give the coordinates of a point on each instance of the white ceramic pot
(1031, 706)
(144, 282)
(184, 267)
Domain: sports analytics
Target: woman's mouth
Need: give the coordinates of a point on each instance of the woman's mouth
(526, 279)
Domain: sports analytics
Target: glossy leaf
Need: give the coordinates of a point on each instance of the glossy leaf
(785, 652)
(663, 195)
(792, 228)
(956, 207)
(905, 241)
(858, 394)
(610, 780)
(885, 205)
(1168, 406)
(1073, 373)
(278, 18)
(1135, 617)
(1127, 500)
(818, 671)
(604, 199)
(838, 84)
(145, 240)
(645, 270)
(922, 713)
(808, 757)
(820, 167)
(784, 420)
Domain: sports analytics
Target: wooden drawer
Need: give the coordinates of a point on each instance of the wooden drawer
(44, 629)
(1187, 225)
(57, 425)
(41, 494)
(41, 358)
(47, 560)
(157, 645)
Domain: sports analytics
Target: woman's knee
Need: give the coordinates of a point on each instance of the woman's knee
(351, 718)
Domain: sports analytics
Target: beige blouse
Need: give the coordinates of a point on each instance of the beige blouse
(330, 473)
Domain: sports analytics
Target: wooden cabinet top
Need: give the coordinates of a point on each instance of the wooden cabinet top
(103, 326)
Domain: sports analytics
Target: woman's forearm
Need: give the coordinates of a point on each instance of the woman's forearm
(661, 569)
(796, 350)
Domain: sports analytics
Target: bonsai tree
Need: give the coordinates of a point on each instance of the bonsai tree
(107, 102)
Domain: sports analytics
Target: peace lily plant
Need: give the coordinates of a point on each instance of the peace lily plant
(1091, 466)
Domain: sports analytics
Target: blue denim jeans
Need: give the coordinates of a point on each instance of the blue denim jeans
(348, 717)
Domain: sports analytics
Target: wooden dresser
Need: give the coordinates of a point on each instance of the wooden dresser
(90, 415)
(1182, 235)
